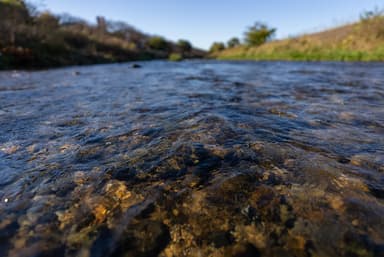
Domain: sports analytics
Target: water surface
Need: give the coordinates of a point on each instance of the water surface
(197, 158)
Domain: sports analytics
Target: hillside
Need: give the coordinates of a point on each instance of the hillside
(33, 39)
(361, 41)
(13, 2)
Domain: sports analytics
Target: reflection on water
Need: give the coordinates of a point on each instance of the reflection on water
(193, 159)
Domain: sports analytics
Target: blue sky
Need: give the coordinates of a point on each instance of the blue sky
(205, 21)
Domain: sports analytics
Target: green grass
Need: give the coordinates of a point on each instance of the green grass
(175, 57)
(362, 41)
(310, 55)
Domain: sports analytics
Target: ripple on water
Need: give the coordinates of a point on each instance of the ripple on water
(197, 158)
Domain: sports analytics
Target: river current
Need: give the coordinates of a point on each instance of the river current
(197, 158)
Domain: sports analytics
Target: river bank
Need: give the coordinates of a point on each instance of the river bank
(30, 39)
(361, 41)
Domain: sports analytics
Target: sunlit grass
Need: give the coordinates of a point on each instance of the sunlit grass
(175, 57)
(363, 41)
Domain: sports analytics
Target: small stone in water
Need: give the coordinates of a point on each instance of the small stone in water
(9, 149)
(6, 200)
(175, 212)
(135, 66)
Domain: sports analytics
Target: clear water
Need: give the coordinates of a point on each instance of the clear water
(198, 158)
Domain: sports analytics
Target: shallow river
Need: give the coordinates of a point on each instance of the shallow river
(197, 158)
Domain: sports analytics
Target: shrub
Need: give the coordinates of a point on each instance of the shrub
(233, 42)
(76, 40)
(158, 43)
(258, 34)
(185, 46)
(175, 57)
(217, 47)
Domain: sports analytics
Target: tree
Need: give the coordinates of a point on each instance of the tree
(184, 45)
(217, 47)
(101, 25)
(233, 42)
(259, 34)
(158, 43)
(14, 16)
(127, 32)
(48, 21)
(45, 26)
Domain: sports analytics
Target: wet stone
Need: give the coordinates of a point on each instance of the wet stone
(147, 238)
(246, 250)
(376, 189)
(360, 245)
(89, 154)
(220, 238)
(123, 173)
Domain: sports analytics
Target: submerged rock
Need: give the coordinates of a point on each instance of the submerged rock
(136, 66)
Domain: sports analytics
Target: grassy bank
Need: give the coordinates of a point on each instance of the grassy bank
(361, 41)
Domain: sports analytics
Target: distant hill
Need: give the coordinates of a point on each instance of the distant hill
(360, 41)
(32, 39)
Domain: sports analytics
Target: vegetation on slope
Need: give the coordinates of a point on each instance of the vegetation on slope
(361, 41)
(32, 39)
